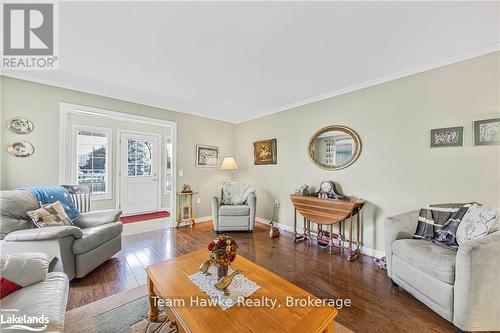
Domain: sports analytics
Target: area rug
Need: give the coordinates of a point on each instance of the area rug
(143, 217)
(125, 313)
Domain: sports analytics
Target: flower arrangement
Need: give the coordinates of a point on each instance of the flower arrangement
(223, 250)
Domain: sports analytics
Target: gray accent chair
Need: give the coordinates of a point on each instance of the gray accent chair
(233, 217)
(93, 239)
(461, 286)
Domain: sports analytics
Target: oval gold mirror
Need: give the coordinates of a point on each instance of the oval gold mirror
(334, 147)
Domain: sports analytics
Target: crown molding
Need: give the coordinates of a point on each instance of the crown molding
(424, 68)
(442, 63)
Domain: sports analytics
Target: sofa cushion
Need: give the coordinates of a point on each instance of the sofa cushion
(25, 268)
(434, 260)
(48, 298)
(96, 236)
(13, 207)
(234, 210)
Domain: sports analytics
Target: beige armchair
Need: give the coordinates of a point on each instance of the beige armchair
(461, 286)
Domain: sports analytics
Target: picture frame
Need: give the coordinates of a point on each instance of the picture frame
(487, 132)
(447, 137)
(265, 152)
(207, 156)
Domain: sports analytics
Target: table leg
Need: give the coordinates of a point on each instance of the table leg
(191, 212)
(330, 238)
(309, 242)
(341, 236)
(358, 224)
(352, 255)
(295, 224)
(152, 299)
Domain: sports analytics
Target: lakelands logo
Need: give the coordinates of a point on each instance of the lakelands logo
(30, 39)
(11, 319)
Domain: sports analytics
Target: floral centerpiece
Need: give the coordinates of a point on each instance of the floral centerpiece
(223, 252)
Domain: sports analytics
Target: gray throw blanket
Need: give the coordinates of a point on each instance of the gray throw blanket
(439, 223)
(235, 193)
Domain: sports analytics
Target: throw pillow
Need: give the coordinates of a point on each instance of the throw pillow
(7, 287)
(25, 269)
(476, 223)
(49, 215)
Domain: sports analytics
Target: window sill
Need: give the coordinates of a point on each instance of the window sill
(98, 197)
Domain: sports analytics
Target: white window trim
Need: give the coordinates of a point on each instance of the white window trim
(164, 164)
(108, 195)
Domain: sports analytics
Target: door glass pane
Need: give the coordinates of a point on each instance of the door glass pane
(140, 162)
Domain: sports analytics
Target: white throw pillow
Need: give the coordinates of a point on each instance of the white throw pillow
(25, 268)
(476, 223)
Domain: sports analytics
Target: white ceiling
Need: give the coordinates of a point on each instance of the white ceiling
(236, 61)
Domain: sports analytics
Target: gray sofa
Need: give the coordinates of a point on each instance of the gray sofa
(461, 286)
(94, 238)
(234, 217)
(48, 297)
(43, 293)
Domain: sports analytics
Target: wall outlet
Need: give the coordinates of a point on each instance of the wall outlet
(276, 203)
(180, 173)
(198, 200)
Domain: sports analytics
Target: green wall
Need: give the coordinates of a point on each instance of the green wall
(40, 103)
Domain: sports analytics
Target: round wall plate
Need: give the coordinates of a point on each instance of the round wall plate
(20, 125)
(21, 149)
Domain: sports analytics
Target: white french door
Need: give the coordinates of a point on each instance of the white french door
(139, 173)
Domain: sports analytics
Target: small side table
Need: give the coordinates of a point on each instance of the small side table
(185, 208)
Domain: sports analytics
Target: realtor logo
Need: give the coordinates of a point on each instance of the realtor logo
(29, 36)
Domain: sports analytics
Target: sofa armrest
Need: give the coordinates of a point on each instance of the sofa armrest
(477, 300)
(215, 212)
(400, 226)
(43, 233)
(252, 203)
(98, 217)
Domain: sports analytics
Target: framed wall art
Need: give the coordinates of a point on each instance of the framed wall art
(265, 152)
(447, 137)
(207, 156)
(487, 132)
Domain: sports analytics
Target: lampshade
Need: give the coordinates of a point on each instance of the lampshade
(229, 164)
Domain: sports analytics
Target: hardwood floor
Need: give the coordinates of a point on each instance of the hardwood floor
(377, 306)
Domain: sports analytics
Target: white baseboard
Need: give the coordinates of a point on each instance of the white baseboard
(202, 219)
(365, 250)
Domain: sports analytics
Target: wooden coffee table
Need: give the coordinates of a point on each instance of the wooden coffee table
(169, 280)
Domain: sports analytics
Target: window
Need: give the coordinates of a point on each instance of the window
(140, 162)
(93, 156)
(168, 166)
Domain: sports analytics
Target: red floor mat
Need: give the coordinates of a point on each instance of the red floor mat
(143, 217)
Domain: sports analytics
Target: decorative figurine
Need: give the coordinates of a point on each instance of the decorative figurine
(225, 281)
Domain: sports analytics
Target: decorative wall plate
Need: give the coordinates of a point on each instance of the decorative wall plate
(21, 149)
(20, 125)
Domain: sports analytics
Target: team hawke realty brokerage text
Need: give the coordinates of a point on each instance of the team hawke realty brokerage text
(259, 302)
